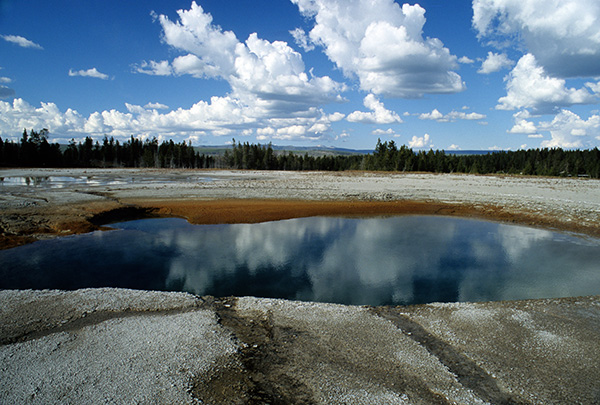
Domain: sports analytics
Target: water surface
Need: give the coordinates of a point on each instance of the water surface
(94, 180)
(381, 260)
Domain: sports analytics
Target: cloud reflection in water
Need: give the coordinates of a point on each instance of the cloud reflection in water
(380, 260)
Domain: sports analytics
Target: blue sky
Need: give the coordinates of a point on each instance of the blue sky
(486, 74)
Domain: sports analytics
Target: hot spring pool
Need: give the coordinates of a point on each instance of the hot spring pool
(372, 261)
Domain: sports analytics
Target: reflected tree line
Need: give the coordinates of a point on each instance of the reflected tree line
(34, 150)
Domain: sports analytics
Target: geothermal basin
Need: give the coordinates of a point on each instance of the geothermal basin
(129, 345)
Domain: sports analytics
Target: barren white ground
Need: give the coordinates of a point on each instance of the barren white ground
(566, 199)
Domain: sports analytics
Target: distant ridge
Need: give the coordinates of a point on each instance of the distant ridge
(322, 150)
(219, 150)
(470, 152)
(311, 150)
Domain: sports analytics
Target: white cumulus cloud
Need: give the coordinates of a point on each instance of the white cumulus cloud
(420, 142)
(93, 72)
(522, 125)
(386, 132)
(335, 117)
(341, 137)
(569, 130)
(459, 115)
(21, 41)
(302, 39)
(156, 106)
(563, 35)
(196, 34)
(494, 63)
(222, 116)
(153, 68)
(595, 87)
(20, 114)
(378, 115)
(436, 115)
(382, 45)
(528, 86)
(268, 77)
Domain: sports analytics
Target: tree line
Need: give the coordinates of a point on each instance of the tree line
(263, 157)
(539, 162)
(34, 150)
(387, 156)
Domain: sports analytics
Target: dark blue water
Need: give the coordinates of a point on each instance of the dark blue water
(381, 260)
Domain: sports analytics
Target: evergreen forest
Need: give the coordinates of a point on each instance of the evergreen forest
(34, 150)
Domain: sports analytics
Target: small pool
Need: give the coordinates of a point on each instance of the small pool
(55, 181)
(373, 261)
(95, 180)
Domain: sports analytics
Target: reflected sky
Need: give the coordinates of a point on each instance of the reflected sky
(57, 181)
(63, 181)
(375, 261)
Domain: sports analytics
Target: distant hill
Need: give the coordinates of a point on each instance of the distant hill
(315, 151)
(219, 150)
(469, 152)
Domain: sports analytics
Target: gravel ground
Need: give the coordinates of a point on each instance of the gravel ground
(132, 349)
(122, 346)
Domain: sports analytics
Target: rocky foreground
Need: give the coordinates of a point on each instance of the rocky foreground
(124, 346)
